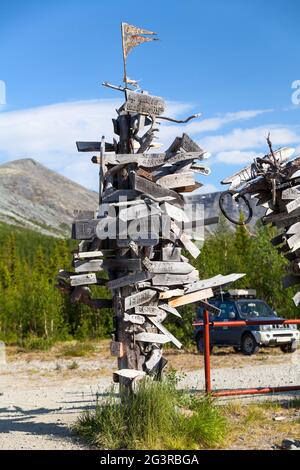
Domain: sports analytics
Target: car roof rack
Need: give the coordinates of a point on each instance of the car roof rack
(244, 293)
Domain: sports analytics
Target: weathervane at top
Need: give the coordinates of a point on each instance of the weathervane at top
(132, 37)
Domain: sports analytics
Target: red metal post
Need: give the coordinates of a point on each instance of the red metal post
(207, 351)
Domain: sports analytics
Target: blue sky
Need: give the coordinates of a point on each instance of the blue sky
(233, 60)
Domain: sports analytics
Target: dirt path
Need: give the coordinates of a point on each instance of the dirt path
(41, 399)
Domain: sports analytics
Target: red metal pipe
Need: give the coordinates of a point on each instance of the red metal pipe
(249, 322)
(255, 391)
(207, 351)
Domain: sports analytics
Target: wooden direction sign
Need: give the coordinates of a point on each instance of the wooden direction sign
(154, 191)
(139, 298)
(130, 279)
(94, 265)
(166, 267)
(142, 103)
(83, 279)
(152, 338)
(177, 180)
(191, 298)
(164, 330)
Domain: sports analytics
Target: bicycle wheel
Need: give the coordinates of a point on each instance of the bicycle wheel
(236, 208)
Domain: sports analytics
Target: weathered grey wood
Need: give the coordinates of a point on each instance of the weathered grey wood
(174, 212)
(175, 279)
(191, 298)
(152, 338)
(145, 242)
(293, 205)
(291, 193)
(185, 143)
(123, 264)
(94, 265)
(294, 242)
(130, 279)
(201, 169)
(177, 180)
(155, 191)
(295, 228)
(216, 281)
(138, 211)
(164, 330)
(139, 298)
(134, 319)
(147, 310)
(171, 253)
(169, 309)
(84, 230)
(84, 215)
(161, 267)
(141, 103)
(186, 241)
(296, 299)
(154, 359)
(88, 254)
(171, 293)
(83, 279)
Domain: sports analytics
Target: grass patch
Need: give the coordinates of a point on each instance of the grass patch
(77, 350)
(158, 416)
(34, 343)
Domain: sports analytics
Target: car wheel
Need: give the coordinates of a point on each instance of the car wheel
(289, 348)
(200, 344)
(236, 349)
(249, 345)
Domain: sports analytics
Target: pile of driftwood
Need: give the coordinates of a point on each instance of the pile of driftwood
(273, 182)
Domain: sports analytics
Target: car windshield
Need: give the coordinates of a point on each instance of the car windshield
(254, 308)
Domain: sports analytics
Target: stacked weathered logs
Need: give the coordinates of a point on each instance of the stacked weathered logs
(278, 191)
(137, 238)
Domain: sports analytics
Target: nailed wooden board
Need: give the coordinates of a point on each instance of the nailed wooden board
(213, 282)
(293, 205)
(169, 309)
(87, 254)
(155, 191)
(164, 267)
(295, 228)
(177, 180)
(93, 147)
(171, 253)
(146, 242)
(174, 212)
(175, 279)
(84, 230)
(169, 294)
(294, 242)
(291, 193)
(186, 241)
(296, 299)
(141, 103)
(83, 279)
(191, 298)
(147, 310)
(152, 338)
(116, 195)
(94, 265)
(164, 330)
(154, 359)
(139, 298)
(130, 279)
(134, 319)
(138, 211)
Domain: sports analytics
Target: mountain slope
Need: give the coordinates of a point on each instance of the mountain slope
(34, 197)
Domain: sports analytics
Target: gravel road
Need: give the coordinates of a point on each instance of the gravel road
(39, 401)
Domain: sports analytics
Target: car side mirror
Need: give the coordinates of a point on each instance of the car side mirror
(232, 316)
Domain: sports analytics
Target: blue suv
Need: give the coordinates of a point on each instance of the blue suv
(247, 339)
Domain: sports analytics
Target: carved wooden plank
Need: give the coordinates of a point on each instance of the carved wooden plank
(201, 169)
(141, 103)
(174, 212)
(293, 205)
(152, 338)
(134, 319)
(296, 299)
(175, 279)
(177, 180)
(146, 242)
(170, 309)
(130, 279)
(171, 293)
(145, 174)
(171, 253)
(295, 228)
(291, 193)
(138, 211)
(154, 359)
(88, 254)
(186, 241)
(185, 143)
(189, 189)
(147, 310)
(294, 242)
(83, 279)
(123, 264)
(155, 191)
(191, 298)
(161, 267)
(164, 330)
(139, 298)
(213, 282)
(84, 230)
(94, 265)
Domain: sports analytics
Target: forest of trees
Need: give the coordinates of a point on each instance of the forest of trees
(34, 312)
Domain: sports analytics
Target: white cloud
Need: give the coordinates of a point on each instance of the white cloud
(48, 134)
(236, 157)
